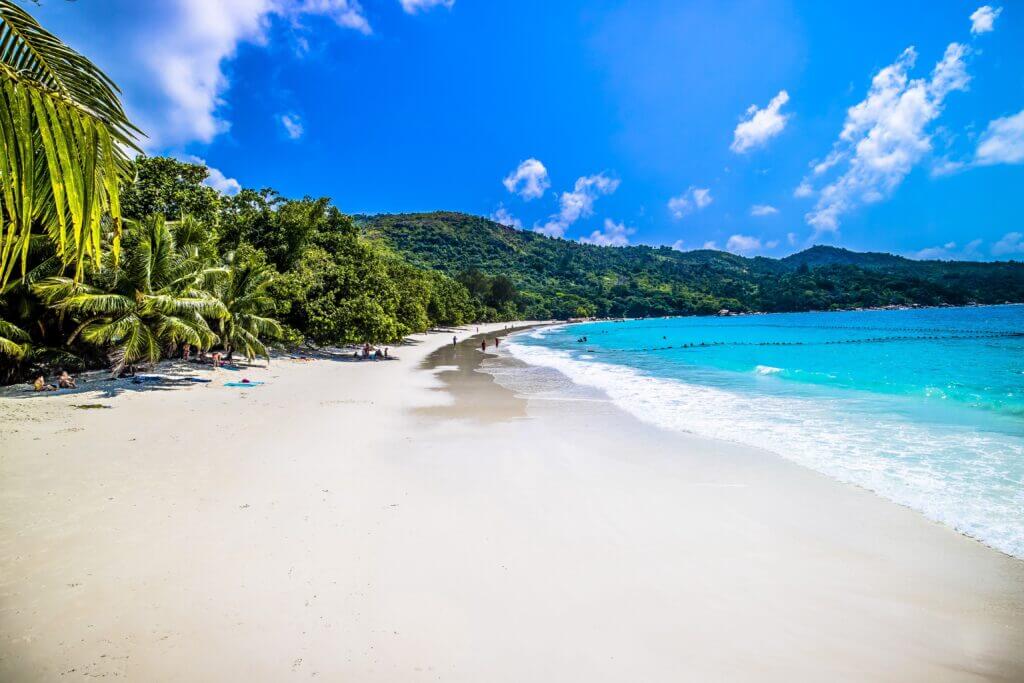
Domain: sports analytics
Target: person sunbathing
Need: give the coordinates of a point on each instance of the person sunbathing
(66, 381)
(41, 385)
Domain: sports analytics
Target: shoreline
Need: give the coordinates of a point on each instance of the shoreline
(418, 520)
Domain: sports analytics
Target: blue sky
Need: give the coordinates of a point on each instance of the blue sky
(760, 127)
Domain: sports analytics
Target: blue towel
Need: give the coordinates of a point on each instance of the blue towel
(242, 384)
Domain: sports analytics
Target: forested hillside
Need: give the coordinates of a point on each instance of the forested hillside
(541, 277)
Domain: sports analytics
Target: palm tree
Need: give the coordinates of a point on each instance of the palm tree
(63, 142)
(13, 340)
(144, 306)
(243, 294)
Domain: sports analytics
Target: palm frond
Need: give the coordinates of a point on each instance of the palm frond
(13, 340)
(63, 135)
(96, 304)
(53, 290)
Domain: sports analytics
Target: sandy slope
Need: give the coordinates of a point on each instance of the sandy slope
(376, 522)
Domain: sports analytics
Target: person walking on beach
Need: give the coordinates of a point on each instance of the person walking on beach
(496, 340)
(453, 340)
(483, 344)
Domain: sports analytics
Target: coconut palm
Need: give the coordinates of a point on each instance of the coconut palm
(243, 294)
(13, 340)
(63, 141)
(144, 306)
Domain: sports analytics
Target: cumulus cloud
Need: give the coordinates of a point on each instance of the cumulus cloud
(215, 178)
(1002, 142)
(529, 180)
(678, 245)
(804, 189)
(170, 57)
(414, 6)
(710, 244)
(885, 135)
(1010, 243)
(763, 210)
(502, 215)
(613, 235)
(579, 203)
(984, 18)
(760, 125)
(950, 252)
(694, 199)
(746, 244)
(292, 125)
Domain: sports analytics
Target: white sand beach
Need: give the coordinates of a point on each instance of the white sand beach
(381, 521)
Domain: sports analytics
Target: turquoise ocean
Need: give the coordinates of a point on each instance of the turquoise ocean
(924, 407)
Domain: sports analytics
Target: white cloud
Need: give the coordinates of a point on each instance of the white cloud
(803, 190)
(292, 125)
(1002, 142)
(529, 180)
(710, 244)
(678, 245)
(760, 125)
(694, 199)
(503, 216)
(578, 204)
(885, 135)
(1011, 243)
(414, 6)
(613, 235)
(792, 238)
(763, 210)
(945, 166)
(746, 244)
(170, 57)
(984, 18)
(949, 252)
(215, 178)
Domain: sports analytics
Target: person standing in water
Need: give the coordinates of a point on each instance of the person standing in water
(496, 340)
(483, 344)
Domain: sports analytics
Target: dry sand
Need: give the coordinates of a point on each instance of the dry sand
(414, 520)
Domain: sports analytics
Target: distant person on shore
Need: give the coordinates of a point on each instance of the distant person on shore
(186, 351)
(483, 344)
(453, 340)
(41, 385)
(496, 341)
(66, 381)
(216, 359)
(385, 353)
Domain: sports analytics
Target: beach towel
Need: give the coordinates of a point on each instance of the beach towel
(242, 384)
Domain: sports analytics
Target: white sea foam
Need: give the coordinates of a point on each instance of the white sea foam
(918, 465)
(767, 370)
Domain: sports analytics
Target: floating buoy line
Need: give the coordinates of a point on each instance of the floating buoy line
(832, 342)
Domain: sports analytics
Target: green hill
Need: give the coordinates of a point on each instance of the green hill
(561, 278)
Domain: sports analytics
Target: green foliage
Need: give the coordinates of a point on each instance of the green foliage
(145, 305)
(243, 292)
(511, 273)
(171, 188)
(63, 134)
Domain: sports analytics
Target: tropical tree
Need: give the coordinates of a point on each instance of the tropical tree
(63, 142)
(243, 294)
(144, 306)
(13, 340)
